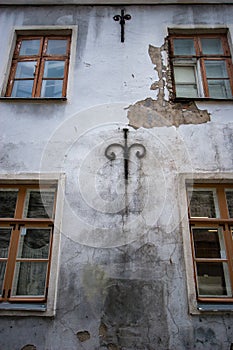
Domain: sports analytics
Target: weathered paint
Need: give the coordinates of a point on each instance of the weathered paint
(160, 111)
(122, 279)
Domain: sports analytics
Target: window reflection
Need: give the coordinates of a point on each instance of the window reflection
(34, 243)
(229, 198)
(29, 47)
(39, 204)
(211, 46)
(203, 203)
(208, 243)
(213, 279)
(8, 200)
(56, 47)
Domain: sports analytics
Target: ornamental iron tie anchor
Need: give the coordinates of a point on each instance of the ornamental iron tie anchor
(122, 19)
(139, 154)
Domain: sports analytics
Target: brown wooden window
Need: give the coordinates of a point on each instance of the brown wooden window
(39, 67)
(202, 66)
(26, 235)
(211, 227)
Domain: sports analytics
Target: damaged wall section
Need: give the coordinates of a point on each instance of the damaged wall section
(151, 113)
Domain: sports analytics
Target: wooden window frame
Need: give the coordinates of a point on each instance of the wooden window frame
(39, 60)
(201, 58)
(226, 224)
(16, 223)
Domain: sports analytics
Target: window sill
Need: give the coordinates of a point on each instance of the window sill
(33, 99)
(203, 99)
(25, 309)
(23, 306)
(208, 307)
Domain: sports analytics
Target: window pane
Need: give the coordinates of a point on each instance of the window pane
(2, 274)
(34, 243)
(5, 235)
(184, 74)
(39, 204)
(208, 243)
(30, 47)
(216, 69)
(54, 69)
(186, 91)
(25, 70)
(22, 88)
(52, 88)
(184, 47)
(219, 88)
(211, 46)
(213, 279)
(57, 47)
(185, 81)
(29, 278)
(203, 203)
(229, 197)
(8, 203)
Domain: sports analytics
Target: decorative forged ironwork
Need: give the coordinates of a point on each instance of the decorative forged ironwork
(140, 153)
(121, 18)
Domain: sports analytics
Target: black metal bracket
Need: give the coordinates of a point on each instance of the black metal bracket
(126, 150)
(121, 18)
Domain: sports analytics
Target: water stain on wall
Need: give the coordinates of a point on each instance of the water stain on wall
(134, 316)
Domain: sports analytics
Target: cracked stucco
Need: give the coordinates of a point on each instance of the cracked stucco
(122, 277)
(160, 112)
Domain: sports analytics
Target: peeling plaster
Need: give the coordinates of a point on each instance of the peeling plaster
(160, 112)
(29, 347)
(83, 336)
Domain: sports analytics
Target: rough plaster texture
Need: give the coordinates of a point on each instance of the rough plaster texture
(122, 278)
(151, 113)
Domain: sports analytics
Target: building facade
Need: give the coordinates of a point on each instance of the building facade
(116, 175)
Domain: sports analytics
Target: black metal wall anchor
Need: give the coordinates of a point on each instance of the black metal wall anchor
(122, 17)
(126, 149)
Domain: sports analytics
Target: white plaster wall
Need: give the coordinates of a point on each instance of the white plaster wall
(100, 243)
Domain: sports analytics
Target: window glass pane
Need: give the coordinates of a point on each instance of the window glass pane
(184, 47)
(52, 88)
(211, 46)
(8, 200)
(208, 243)
(25, 70)
(30, 47)
(203, 203)
(2, 274)
(213, 279)
(22, 88)
(229, 197)
(184, 74)
(39, 204)
(29, 278)
(57, 47)
(186, 91)
(5, 235)
(54, 69)
(219, 88)
(34, 243)
(216, 69)
(185, 81)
